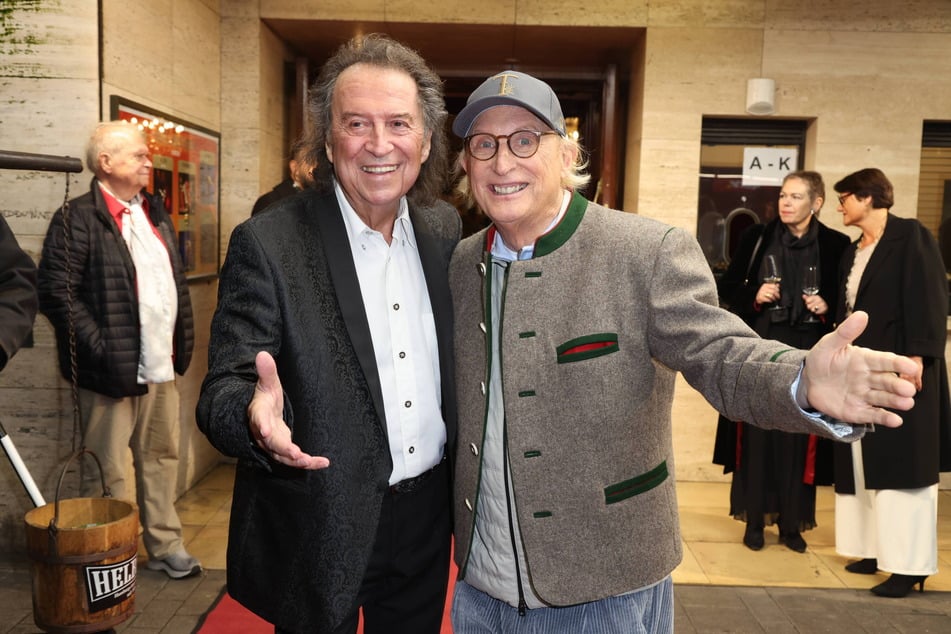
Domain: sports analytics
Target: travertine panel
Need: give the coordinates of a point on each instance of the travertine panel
(452, 11)
(137, 48)
(570, 13)
(679, 90)
(241, 68)
(913, 57)
(334, 9)
(707, 13)
(273, 118)
(49, 40)
(922, 16)
(196, 66)
(241, 8)
(668, 186)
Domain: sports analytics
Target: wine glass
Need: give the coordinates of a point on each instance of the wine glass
(772, 276)
(810, 286)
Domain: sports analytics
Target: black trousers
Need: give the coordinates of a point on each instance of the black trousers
(404, 588)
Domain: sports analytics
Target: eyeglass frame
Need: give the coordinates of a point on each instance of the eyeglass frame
(508, 142)
(844, 197)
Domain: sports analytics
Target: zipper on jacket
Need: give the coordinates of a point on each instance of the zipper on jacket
(522, 605)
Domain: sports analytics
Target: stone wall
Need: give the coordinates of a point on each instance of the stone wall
(165, 55)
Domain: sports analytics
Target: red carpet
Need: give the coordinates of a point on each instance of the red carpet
(227, 616)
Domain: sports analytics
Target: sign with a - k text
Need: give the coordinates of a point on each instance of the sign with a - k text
(766, 166)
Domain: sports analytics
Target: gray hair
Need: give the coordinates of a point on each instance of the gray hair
(105, 138)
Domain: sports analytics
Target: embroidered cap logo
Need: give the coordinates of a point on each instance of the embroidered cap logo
(504, 87)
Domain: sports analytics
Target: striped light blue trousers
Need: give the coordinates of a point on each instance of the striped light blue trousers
(647, 611)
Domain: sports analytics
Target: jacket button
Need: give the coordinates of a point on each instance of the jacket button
(482, 387)
(482, 269)
(468, 504)
(474, 449)
(482, 326)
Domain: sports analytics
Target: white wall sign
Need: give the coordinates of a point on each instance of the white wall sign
(767, 165)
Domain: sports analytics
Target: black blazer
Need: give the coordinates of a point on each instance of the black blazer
(905, 292)
(280, 191)
(299, 541)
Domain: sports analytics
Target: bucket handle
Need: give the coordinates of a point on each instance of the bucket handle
(53, 527)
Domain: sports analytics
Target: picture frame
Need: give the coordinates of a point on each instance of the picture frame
(186, 172)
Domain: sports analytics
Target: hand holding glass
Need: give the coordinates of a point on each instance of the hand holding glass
(772, 276)
(810, 287)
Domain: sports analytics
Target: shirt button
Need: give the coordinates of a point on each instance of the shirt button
(396, 306)
(402, 355)
(412, 449)
(408, 404)
(474, 449)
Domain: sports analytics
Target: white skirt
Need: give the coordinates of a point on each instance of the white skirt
(899, 527)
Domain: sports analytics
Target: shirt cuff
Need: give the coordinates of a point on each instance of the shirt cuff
(835, 427)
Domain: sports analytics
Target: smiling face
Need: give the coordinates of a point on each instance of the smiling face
(377, 141)
(520, 195)
(796, 205)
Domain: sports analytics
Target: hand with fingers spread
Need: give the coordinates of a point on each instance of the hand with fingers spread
(266, 420)
(854, 384)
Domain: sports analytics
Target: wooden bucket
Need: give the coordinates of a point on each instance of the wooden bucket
(83, 560)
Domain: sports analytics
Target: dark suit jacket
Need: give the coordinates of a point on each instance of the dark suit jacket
(17, 294)
(905, 292)
(299, 540)
(279, 192)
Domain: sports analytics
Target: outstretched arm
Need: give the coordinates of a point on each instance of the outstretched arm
(855, 384)
(265, 419)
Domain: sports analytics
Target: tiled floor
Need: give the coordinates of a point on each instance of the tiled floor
(721, 586)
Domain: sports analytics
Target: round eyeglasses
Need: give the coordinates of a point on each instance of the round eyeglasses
(522, 143)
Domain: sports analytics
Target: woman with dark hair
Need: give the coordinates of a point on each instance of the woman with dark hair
(775, 472)
(886, 502)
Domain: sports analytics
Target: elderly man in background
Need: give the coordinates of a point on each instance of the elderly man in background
(110, 273)
(571, 321)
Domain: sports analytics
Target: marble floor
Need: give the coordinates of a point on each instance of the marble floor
(713, 550)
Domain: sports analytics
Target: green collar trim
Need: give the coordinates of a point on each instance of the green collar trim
(552, 240)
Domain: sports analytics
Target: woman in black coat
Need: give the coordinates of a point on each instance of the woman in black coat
(887, 484)
(774, 472)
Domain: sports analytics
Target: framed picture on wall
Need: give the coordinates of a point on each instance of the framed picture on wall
(185, 173)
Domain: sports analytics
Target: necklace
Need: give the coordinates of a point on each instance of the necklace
(864, 242)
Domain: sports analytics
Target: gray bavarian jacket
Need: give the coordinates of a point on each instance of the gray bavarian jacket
(593, 330)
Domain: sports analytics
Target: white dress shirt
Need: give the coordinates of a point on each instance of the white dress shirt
(403, 331)
(155, 291)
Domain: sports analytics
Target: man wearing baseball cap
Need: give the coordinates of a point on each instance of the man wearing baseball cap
(571, 321)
